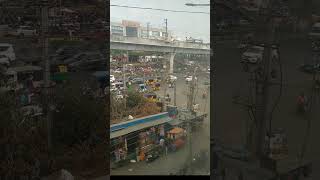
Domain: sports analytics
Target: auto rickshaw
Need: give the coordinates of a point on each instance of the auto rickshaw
(142, 88)
(156, 87)
(150, 82)
(151, 97)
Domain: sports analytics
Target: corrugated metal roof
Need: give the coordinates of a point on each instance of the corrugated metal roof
(137, 121)
(124, 128)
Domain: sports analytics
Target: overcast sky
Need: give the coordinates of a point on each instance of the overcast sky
(181, 24)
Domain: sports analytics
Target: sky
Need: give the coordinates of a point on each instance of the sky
(181, 24)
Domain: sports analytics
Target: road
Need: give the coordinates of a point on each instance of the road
(173, 162)
(229, 124)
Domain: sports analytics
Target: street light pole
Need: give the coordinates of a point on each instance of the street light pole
(166, 22)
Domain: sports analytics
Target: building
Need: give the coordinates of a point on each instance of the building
(135, 29)
(132, 28)
(117, 29)
(132, 138)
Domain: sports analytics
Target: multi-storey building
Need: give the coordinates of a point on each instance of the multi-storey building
(134, 29)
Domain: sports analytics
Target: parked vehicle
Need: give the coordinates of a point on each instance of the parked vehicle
(252, 55)
(112, 78)
(8, 51)
(4, 61)
(190, 78)
(119, 85)
(172, 78)
(137, 81)
(89, 61)
(152, 97)
(142, 88)
(152, 155)
(150, 81)
(310, 68)
(156, 86)
(315, 45)
(244, 22)
(24, 72)
(23, 31)
(10, 81)
(315, 31)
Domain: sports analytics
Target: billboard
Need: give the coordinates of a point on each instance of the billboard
(130, 23)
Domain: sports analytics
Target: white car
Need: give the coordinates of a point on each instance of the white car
(190, 78)
(112, 78)
(117, 71)
(172, 78)
(253, 54)
(23, 31)
(7, 50)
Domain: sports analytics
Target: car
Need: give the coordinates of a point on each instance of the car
(117, 71)
(244, 22)
(8, 51)
(87, 61)
(4, 61)
(137, 81)
(189, 78)
(315, 31)
(112, 78)
(309, 68)
(315, 46)
(142, 88)
(23, 31)
(74, 58)
(172, 78)
(253, 54)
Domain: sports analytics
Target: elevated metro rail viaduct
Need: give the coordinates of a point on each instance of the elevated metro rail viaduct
(138, 44)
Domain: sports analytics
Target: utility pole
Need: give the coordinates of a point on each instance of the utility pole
(175, 95)
(190, 103)
(124, 68)
(165, 84)
(148, 29)
(166, 22)
(190, 145)
(262, 88)
(191, 92)
(44, 39)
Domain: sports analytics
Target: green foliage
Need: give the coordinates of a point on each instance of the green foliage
(79, 116)
(135, 99)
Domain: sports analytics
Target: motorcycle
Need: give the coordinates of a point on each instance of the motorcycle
(151, 157)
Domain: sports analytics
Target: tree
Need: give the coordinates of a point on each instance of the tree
(135, 99)
(79, 116)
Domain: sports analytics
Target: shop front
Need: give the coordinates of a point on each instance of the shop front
(135, 141)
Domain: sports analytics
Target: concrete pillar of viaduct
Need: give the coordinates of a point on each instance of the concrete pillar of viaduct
(172, 54)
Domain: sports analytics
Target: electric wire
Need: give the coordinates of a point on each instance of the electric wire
(156, 9)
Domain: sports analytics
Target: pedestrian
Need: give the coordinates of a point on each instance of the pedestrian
(117, 155)
(166, 147)
(302, 102)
